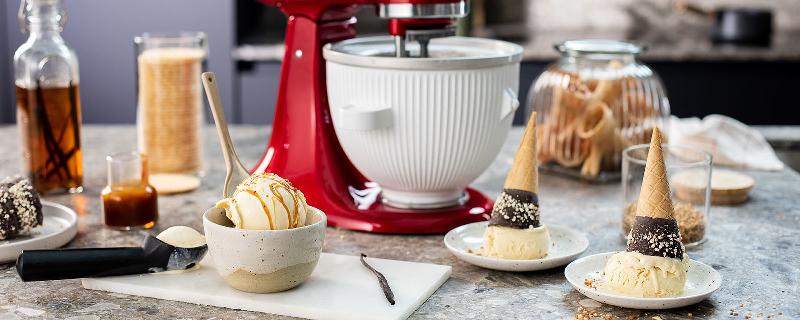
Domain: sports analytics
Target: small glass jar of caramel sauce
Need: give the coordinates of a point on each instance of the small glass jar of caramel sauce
(129, 202)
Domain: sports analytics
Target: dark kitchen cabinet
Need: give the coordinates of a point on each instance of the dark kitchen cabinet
(754, 92)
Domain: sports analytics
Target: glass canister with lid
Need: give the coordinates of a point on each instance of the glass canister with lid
(596, 100)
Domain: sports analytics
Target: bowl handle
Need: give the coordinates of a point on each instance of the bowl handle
(509, 104)
(351, 117)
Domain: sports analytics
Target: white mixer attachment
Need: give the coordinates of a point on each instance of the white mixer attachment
(423, 37)
(429, 10)
(421, 22)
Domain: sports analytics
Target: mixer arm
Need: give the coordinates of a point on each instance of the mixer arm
(318, 10)
(410, 10)
(410, 20)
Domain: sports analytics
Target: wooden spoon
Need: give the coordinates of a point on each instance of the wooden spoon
(236, 172)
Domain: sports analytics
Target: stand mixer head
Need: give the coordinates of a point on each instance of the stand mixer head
(304, 147)
(420, 22)
(409, 20)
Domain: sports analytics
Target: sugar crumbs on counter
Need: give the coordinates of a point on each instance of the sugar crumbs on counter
(750, 314)
(588, 314)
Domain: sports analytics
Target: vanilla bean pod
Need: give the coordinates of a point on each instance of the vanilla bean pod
(387, 291)
(54, 153)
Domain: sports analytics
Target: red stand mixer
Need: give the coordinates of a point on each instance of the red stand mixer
(304, 147)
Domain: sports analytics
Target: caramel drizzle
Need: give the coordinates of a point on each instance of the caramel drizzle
(263, 206)
(292, 216)
(275, 187)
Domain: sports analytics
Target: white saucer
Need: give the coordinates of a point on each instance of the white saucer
(59, 227)
(701, 281)
(567, 245)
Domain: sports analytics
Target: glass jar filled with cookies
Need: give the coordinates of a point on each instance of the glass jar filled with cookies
(594, 102)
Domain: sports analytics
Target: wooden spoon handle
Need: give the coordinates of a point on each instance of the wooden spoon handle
(236, 171)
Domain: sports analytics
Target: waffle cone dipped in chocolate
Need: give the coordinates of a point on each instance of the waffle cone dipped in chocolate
(655, 231)
(514, 230)
(654, 264)
(518, 205)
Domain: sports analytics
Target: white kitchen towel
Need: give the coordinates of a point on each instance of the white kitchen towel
(729, 141)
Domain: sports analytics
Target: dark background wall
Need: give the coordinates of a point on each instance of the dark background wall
(258, 89)
(6, 97)
(102, 32)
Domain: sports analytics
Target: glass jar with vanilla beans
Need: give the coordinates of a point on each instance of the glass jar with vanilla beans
(48, 100)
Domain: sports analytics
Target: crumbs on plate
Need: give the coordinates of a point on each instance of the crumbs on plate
(478, 251)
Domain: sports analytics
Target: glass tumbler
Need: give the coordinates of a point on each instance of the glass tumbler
(170, 104)
(689, 176)
(129, 202)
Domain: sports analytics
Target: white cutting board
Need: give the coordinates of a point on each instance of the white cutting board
(340, 288)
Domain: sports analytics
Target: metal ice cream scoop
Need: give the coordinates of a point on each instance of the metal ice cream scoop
(153, 256)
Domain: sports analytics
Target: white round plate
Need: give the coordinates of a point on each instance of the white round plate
(701, 281)
(59, 227)
(465, 241)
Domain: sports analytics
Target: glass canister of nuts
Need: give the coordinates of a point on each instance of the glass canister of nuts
(594, 102)
(689, 176)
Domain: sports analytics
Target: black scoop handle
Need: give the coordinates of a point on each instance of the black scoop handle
(37, 265)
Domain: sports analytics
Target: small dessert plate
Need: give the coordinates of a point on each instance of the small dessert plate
(59, 227)
(585, 274)
(465, 242)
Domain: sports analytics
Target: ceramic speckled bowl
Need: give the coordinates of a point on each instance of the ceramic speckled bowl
(263, 261)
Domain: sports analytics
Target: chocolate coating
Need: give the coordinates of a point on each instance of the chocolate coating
(656, 237)
(20, 208)
(517, 209)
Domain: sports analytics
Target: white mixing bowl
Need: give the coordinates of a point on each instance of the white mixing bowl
(422, 128)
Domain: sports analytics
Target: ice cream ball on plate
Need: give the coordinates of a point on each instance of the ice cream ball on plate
(514, 230)
(654, 263)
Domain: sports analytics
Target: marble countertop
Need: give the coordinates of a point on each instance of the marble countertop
(756, 247)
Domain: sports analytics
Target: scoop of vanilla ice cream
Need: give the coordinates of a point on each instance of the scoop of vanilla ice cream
(635, 274)
(182, 236)
(266, 201)
(517, 244)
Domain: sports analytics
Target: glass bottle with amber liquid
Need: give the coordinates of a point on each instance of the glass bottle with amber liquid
(48, 100)
(129, 201)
